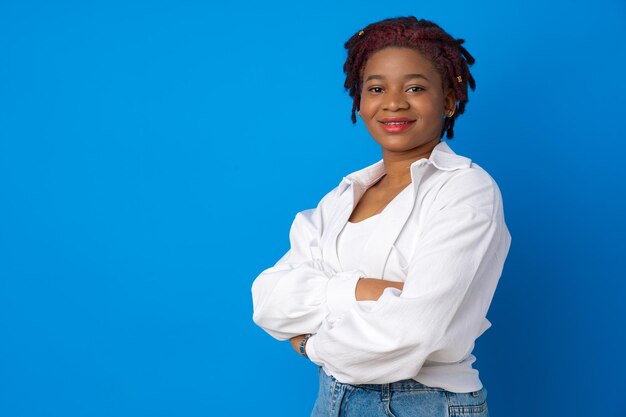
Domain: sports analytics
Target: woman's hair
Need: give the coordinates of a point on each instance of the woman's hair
(446, 53)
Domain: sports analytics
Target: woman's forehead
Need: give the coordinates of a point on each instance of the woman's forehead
(398, 61)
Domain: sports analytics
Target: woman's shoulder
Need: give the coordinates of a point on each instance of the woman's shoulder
(472, 176)
(324, 205)
(470, 186)
(457, 169)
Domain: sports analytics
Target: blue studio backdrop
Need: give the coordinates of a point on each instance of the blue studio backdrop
(154, 154)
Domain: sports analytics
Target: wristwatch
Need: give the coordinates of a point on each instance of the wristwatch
(303, 344)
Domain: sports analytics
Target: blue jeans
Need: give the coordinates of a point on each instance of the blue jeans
(407, 398)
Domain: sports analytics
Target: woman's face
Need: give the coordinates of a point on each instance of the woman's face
(402, 101)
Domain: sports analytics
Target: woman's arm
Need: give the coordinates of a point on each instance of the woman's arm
(294, 296)
(450, 282)
(367, 289)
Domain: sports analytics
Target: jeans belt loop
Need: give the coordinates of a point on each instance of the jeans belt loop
(386, 392)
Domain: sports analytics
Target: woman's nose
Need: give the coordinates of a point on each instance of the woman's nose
(395, 101)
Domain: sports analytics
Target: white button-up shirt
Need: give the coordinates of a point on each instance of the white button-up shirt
(445, 238)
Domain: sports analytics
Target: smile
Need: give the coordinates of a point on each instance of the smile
(396, 126)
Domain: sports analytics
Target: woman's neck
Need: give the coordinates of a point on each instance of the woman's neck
(397, 165)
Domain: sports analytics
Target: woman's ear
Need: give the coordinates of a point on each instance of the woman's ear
(449, 102)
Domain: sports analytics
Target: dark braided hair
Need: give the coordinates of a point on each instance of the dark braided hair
(446, 53)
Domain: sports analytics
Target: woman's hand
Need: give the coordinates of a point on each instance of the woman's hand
(372, 288)
(295, 342)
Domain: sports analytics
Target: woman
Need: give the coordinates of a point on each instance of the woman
(388, 280)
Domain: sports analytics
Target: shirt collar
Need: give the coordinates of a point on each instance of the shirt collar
(442, 157)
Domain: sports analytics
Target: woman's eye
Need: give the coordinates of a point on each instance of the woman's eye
(376, 90)
(415, 89)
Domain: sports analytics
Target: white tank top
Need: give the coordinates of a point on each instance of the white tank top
(352, 241)
(354, 236)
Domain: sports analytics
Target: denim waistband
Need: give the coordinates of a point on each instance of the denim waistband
(403, 385)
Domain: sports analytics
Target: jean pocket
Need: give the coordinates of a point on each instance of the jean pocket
(469, 404)
(469, 410)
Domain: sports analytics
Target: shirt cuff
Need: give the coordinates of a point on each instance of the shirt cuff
(341, 291)
(309, 348)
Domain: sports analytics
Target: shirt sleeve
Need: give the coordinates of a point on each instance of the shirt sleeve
(450, 282)
(295, 295)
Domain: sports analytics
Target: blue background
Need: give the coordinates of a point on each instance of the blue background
(154, 154)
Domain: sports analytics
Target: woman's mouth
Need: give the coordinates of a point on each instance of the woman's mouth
(396, 125)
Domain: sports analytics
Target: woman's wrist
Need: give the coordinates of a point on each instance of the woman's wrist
(302, 346)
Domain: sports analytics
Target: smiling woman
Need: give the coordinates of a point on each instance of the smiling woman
(403, 99)
(389, 308)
